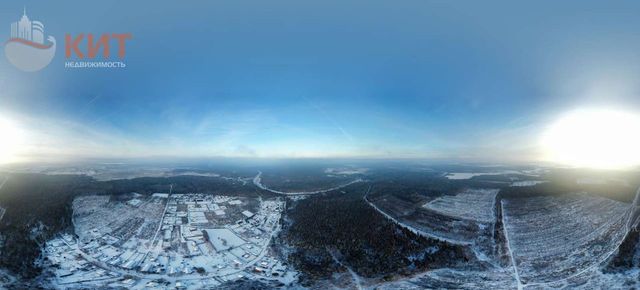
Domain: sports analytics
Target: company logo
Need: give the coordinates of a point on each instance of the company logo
(27, 48)
(85, 58)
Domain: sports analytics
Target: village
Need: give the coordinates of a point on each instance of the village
(168, 241)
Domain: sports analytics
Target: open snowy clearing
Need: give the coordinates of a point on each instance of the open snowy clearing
(556, 237)
(471, 204)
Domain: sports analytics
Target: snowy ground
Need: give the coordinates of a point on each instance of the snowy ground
(469, 175)
(472, 204)
(527, 183)
(554, 238)
(553, 242)
(467, 218)
(345, 171)
(160, 241)
(257, 181)
(495, 278)
(464, 175)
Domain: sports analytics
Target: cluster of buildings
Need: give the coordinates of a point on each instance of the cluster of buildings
(198, 237)
(72, 268)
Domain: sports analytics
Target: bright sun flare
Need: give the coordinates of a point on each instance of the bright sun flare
(10, 141)
(607, 139)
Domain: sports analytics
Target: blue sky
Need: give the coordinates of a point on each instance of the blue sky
(465, 80)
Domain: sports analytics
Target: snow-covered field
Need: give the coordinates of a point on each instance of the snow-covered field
(472, 204)
(537, 172)
(257, 181)
(552, 242)
(467, 218)
(527, 183)
(345, 171)
(464, 175)
(553, 238)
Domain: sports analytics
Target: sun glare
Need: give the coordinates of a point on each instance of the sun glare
(10, 140)
(598, 138)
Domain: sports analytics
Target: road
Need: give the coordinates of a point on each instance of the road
(412, 229)
(3, 210)
(257, 181)
(155, 236)
(5, 181)
(356, 279)
(513, 259)
(193, 276)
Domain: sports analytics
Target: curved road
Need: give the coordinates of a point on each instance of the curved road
(257, 181)
(412, 229)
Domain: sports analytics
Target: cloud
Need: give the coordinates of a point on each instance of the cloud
(331, 120)
(245, 151)
(51, 139)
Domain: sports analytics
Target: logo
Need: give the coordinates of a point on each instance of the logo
(85, 58)
(27, 49)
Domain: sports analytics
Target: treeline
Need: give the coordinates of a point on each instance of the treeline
(365, 240)
(613, 190)
(541, 189)
(625, 258)
(413, 188)
(180, 184)
(39, 206)
(304, 180)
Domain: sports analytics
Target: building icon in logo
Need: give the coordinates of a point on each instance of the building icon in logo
(27, 48)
